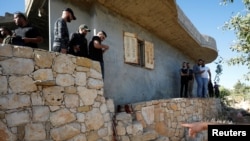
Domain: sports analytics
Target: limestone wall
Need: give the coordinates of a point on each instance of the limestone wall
(51, 96)
(48, 96)
(160, 120)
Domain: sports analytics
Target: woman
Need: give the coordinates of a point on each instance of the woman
(184, 80)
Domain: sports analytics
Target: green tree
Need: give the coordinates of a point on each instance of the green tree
(218, 70)
(224, 92)
(240, 24)
(240, 88)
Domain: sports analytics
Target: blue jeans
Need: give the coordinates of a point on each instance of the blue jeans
(204, 87)
(199, 85)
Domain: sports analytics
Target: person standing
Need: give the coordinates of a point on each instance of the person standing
(184, 80)
(1, 39)
(190, 80)
(210, 89)
(216, 90)
(206, 77)
(97, 49)
(5, 33)
(29, 34)
(197, 75)
(78, 44)
(61, 33)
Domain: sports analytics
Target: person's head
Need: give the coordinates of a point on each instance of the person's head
(102, 35)
(188, 66)
(200, 61)
(83, 29)
(4, 31)
(203, 63)
(20, 19)
(184, 64)
(68, 15)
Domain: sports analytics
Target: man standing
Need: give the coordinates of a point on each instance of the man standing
(206, 77)
(96, 49)
(197, 74)
(78, 44)
(29, 35)
(61, 33)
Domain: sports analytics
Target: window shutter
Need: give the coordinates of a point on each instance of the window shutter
(130, 48)
(149, 55)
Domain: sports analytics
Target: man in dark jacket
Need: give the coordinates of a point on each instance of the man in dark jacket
(78, 44)
(61, 33)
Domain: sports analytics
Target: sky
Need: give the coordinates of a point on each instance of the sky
(207, 16)
(11, 6)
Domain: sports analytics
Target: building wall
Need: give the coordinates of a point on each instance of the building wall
(127, 83)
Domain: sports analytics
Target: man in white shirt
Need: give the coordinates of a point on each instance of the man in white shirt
(206, 77)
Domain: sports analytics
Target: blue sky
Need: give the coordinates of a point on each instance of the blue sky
(206, 15)
(11, 6)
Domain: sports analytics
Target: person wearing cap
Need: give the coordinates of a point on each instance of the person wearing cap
(28, 33)
(61, 33)
(78, 44)
(96, 49)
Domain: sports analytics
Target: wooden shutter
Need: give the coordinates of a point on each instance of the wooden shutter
(149, 55)
(130, 48)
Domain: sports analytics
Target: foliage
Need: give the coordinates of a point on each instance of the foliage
(218, 70)
(240, 24)
(223, 94)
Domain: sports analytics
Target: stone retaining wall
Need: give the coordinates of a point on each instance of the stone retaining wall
(48, 96)
(160, 120)
(51, 96)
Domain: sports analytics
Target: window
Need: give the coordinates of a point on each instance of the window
(137, 51)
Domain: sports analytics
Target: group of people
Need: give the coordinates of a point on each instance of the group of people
(200, 73)
(24, 35)
(76, 43)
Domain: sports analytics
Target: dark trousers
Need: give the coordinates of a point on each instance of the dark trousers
(184, 87)
(102, 68)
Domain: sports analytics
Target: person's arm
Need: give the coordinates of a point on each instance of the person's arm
(209, 74)
(61, 35)
(33, 36)
(74, 43)
(38, 39)
(196, 127)
(183, 74)
(98, 45)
